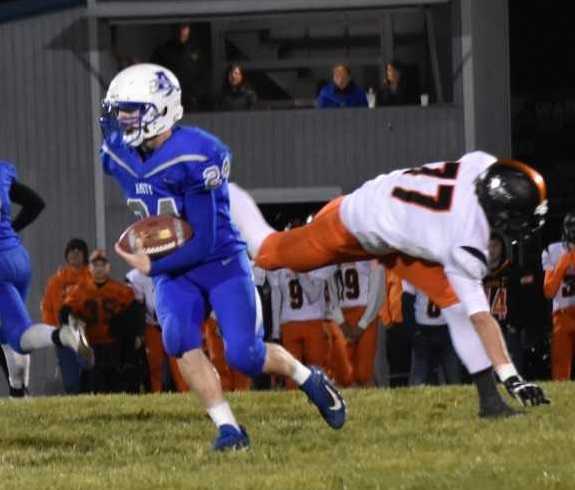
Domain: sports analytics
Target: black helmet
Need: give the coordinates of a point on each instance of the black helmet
(569, 227)
(514, 198)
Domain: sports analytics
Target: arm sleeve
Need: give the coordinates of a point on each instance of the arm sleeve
(203, 221)
(375, 295)
(32, 205)
(465, 271)
(470, 293)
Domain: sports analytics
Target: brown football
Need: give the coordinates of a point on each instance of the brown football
(156, 236)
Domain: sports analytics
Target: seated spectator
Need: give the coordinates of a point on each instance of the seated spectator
(236, 94)
(114, 321)
(392, 90)
(342, 91)
(189, 64)
(66, 277)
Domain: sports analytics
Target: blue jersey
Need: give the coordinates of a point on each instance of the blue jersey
(187, 176)
(8, 237)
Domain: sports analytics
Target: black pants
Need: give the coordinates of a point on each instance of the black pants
(432, 350)
(114, 370)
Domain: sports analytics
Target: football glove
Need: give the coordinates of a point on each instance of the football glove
(525, 392)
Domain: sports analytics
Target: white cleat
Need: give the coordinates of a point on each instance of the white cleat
(73, 335)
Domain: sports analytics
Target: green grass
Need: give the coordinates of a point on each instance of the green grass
(394, 439)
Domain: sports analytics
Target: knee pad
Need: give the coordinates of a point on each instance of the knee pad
(176, 339)
(248, 359)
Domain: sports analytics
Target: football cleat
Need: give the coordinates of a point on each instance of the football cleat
(231, 439)
(73, 335)
(325, 396)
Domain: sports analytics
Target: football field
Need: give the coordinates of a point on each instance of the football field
(427, 438)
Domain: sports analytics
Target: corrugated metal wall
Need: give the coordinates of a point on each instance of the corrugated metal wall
(333, 147)
(46, 132)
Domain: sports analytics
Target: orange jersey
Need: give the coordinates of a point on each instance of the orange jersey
(57, 288)
(96, 305)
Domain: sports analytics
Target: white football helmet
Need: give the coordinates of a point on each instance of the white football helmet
(142, 101)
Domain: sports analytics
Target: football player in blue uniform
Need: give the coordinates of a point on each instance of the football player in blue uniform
(168, 169)
(16, 327)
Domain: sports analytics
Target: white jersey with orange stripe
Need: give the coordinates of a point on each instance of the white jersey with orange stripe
(429, 212)
(565, 296)
(425, 311)
(302, 295)
(352, 279)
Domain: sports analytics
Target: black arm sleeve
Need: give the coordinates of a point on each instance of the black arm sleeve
(32, 205)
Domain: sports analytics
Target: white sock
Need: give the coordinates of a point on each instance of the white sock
(18, 367)
(300, 373)
(248, 218)
(36, 336)
(221, 414)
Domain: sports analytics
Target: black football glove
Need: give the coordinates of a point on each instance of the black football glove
(525, 392)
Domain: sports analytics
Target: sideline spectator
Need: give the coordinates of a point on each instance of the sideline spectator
(189, 64)
(431, 347)
(237, 95)
(559, 264)
(392, 89)
(59, 285)
(342, 91)
(114, 320)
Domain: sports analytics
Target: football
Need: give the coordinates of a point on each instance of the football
(156, 236)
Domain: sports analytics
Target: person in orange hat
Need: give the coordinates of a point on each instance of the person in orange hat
(114, 319)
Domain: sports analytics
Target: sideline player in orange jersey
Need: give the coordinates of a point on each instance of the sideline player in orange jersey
(431, 225)
(360, 294)
(559, 265)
